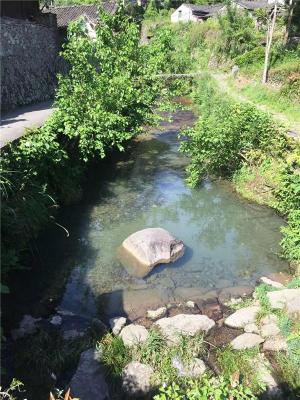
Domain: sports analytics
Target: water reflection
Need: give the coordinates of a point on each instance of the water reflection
(226, 237)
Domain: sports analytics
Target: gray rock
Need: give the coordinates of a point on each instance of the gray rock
(246, 341)
(242, 317)
(145, 249)
(117, 324)
(270, 282)
(251, 328)
(185, 325)
(269, 319)
(277, 343)
(194, 369)
(280, 299)
(136, 379)
(190, 304)
(263, 368)
(88, 382)
(293, 307)
(269, 330)
(28, 326)
(72, 334)
(56, 320)
(134, 334)
(156, 314)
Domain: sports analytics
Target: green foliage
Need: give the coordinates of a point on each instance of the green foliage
(109, 91)
(206, 388)
(224, 134)
(105, 98)
(239, 364)
(250, 57)
(12, 391)
(237, 32)
(114, 354)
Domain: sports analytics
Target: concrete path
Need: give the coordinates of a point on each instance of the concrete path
(15, 123)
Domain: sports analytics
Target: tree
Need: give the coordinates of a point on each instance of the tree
(270, 31)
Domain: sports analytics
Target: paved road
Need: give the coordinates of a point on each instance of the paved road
(15, 123)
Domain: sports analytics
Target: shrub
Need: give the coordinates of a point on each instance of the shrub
(206, 388)
(224, 134)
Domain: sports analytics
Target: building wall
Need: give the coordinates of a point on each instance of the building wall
(28, 60)
(183, 14)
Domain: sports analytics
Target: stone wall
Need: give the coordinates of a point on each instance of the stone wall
(28, 60)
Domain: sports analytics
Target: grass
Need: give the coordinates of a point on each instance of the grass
(38, 356)
(239, 366)
(155, 352)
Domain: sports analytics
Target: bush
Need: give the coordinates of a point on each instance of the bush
(206, 388)
(224, 134)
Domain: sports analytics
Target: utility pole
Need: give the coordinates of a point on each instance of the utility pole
(270, 32)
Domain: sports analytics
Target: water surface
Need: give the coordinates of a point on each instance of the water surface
(227, 238)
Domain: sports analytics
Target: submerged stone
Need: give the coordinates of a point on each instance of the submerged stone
(145, 249)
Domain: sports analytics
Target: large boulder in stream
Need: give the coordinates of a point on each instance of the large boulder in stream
(145, 249)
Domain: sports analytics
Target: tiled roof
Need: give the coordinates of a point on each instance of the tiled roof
(209, 10)
(253, 5)
(66, 14)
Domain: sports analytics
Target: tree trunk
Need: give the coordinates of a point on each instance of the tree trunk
(269, 43)
(291, 6)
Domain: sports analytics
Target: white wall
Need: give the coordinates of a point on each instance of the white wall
(183, 14)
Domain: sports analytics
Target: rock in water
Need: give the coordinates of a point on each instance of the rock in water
(145, 249)
(88, 383)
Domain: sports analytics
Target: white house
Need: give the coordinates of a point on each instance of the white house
(198, 13)
(194, 13)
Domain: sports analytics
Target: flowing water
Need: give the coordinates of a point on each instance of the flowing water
(229, 241)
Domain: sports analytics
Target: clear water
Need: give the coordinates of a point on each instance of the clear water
(226, 236)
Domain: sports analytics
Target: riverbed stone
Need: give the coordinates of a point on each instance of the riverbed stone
(251, 328)
(234, 292)
(285, 298)
(185, 325)
(156, 314)
(117, 324)
(145, 249)
(195, 368)
(277, 343)
(88, 382)
(246, 341)
(190, 304)
(269, 330)
(134, 334)
(293, 307)
(136, 379)
(28, 326)
(270, 282)
(263, 368)
(242, 317)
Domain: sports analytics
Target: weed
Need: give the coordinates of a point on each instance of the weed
(240, 363)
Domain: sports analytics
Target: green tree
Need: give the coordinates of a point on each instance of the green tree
(108, 92)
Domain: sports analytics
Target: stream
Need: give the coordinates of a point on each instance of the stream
(230, 241)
